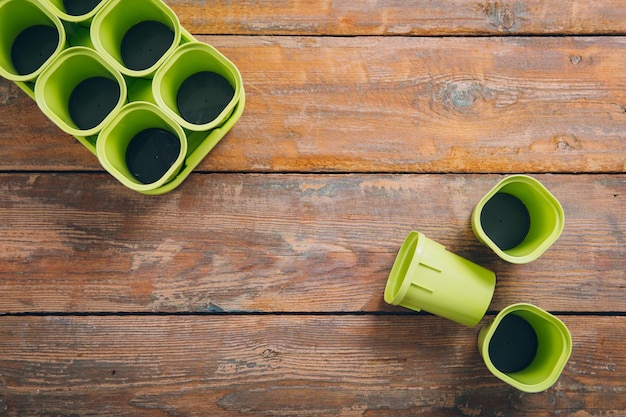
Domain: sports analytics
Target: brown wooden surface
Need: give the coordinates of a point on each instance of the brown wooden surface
(289, 365)
(283, 243)
(393, 104)
(256, 287)
(397, 18)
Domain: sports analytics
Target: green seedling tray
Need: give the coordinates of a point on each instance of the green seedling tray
(199, 143)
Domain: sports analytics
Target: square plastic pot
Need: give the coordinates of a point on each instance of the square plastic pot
(15, 17)
(554, 347)
(546, 218)
(83, 18)
(187, 60)
(117, 17)
(115, 138)
(425, 276)
(56, 84)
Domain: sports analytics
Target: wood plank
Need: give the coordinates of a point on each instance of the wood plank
(288, 365)
(283, 243)
(393, 105)
(397, 17)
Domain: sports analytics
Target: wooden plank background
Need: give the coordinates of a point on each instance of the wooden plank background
(283, 243)
(393, 104)
(255, 288)
(289, 365)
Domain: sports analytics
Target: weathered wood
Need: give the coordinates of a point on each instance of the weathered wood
(288, 365)
(271, 243)
(397, 17)
(256, 288)
(431, 105)
(393, 105)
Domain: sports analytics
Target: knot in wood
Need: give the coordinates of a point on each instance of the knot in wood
(465, 96)
(503, 16)
(269, 353)
(575, 59)
(567, 143)
(507, 19)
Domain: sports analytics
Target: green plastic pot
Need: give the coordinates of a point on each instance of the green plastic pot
(425, 276)
(55, 85)
(114, 20)
(17, 16)
(58, 7)
(114, 139)
(546, 218)
(554, 348)
(187, 60)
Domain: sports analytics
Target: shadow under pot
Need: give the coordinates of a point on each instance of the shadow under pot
(518, 219)
(525, 347)
(75, 11)
(30, 37)
(142, 147)
(80, 91)
(197, 86)
(137, 36)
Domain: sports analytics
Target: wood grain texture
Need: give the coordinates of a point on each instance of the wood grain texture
(256, 287)
(396, 17)
(288, 366)
(375, 104)
(275, 243)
